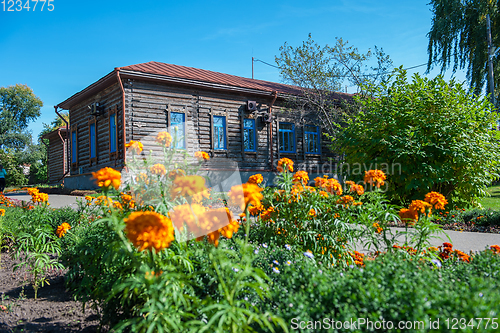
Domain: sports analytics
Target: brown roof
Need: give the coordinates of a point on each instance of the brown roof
(187, 76)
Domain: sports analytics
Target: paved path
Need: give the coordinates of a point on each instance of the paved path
(55, 200)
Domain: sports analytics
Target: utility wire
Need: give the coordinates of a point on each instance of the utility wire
(346, 76)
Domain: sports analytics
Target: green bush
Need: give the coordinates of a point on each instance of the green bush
(439, 134)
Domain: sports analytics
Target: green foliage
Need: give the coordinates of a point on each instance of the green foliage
(457, 38)
(18, 106)
(436, 133)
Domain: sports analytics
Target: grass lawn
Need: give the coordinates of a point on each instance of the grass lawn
(492, 202)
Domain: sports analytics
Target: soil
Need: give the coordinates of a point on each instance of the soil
(53, 311)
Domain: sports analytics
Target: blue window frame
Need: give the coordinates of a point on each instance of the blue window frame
(311, 139)
(112, 133)
(287, 137)
(73, 147)
(92, 141)
(249, 135)
(177, 124)
(220, 132)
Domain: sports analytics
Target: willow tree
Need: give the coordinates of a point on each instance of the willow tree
(457, 39)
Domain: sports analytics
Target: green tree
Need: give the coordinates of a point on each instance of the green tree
(437, 132)
(322, 71)
(18, 106)
(457, 38)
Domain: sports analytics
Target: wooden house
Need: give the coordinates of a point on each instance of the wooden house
(246, 121)
(57, 166)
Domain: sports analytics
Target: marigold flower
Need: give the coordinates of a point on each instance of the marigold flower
(189, 186)
(62, 229)
(255, 210)
(246, 194)
(495, 248)
(266, 215)
(255, 179)
(408, 216)
(333, 186)
(89, 198)
(420, 207)
(192, 216)
(103, 200)
(378, 227)
(462, 256)
(345, 200)
(201, 155)
(32, 191)
(164, 138)
(375, 177)
(108, 176)
(436, 199)
(285, 163)
(2, 212)
(312, 212)
(148, 230)
(230, 229)
(176, 173)
(40, 197)
(301, 177)
(158, 169)
(135, 146)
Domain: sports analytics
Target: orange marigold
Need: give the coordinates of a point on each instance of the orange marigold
(108, 176)
(32, 191)
(333, 186)
(255, 210)
(158, 169)
(495, 248)
(2, 212)
(266, 215)
(148, 230)
(285, 163)
(255, 179)
(246, 194)
(420, 207)
(375, 177)
(176, 173)
(164, 138)
(189, 186)
(40, 197)
(135, 146)
(378, 227)
(201, 155)
(312, 212)
(62, 229)
(301, 177)
(191, 216)
(436, 199)
(408, 216)
(345, 200)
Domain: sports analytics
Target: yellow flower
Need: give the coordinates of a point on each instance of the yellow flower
(312, 212)
(89, 198)
(246, 194)
(2, 212)
(103, 200)
(62, 229)
(377, 226)
(40, 197)
(32, 191)
(301, 177)
(158, 169)
(285, 163)
(201, 155)
(108, 176)
(117, 205)
(375, 177)
(164, 138)
(255, 179)
(189, 186)
(436, 199)
(135, 146)
(148, 230)
(142, 178)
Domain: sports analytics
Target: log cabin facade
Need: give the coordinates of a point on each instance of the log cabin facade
(57, 151)
(232, 118)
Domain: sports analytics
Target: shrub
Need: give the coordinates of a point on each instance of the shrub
(438, 133)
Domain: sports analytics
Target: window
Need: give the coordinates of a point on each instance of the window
(112, 133)
(219, 132)
(249, 135)
(74, 151)
(92, 141)
(177, 120)
(287, 137)
(311, 139)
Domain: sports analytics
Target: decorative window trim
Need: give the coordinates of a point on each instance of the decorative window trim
(169, 110)
(318, 140)
(255, 142)
(294, 138)
(224, 129)
(113, 112)
(74, 145)
(219, 113)
(93, 160)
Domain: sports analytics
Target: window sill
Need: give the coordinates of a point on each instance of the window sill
(250, 152)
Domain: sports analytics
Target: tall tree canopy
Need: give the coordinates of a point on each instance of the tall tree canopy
(457, 38)
(18, 106)
(322, 70)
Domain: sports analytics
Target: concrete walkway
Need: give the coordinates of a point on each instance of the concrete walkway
(55, 200)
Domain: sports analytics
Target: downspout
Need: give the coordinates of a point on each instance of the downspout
(65, 159)
(123, 112)
(275, 93)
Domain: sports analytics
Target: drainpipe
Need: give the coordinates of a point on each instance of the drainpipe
(65, 159)
(123, 112)
(275, 95)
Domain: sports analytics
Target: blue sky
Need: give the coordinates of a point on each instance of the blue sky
(58, 53)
